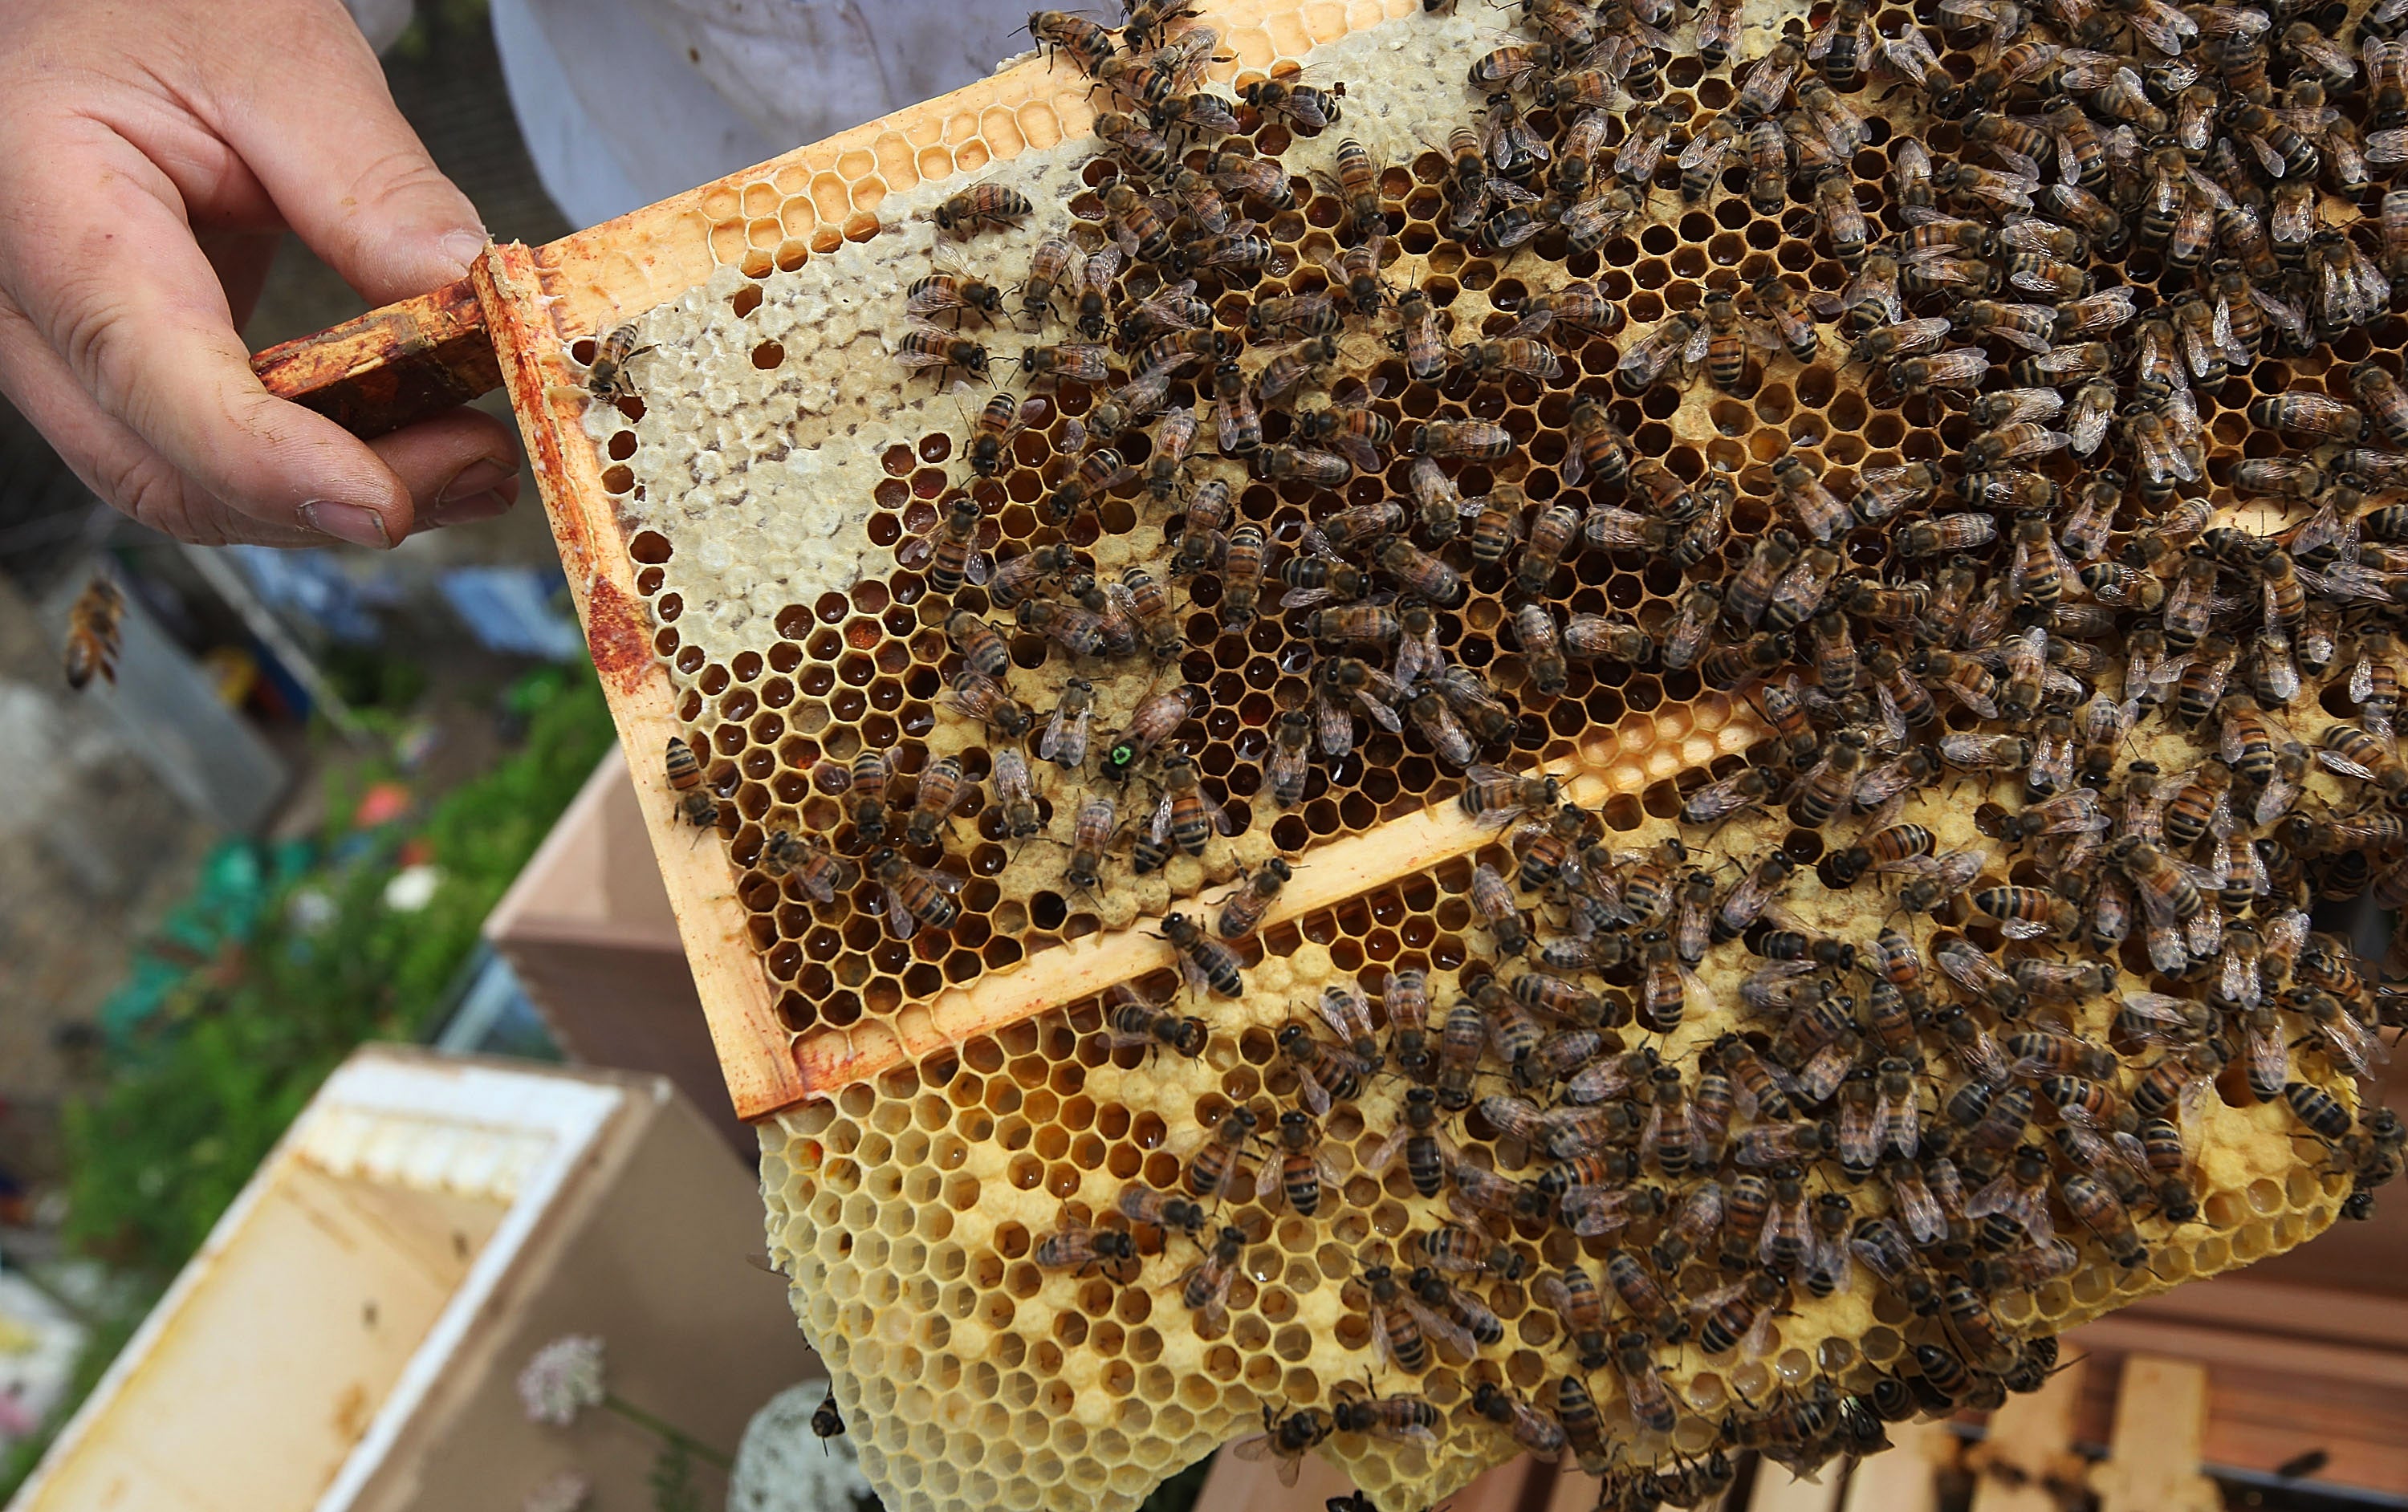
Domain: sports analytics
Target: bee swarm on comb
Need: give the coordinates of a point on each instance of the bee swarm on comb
(1675, 733)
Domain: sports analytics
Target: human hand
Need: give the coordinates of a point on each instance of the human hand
(151, 151)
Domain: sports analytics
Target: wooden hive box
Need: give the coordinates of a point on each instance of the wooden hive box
(350, 1335)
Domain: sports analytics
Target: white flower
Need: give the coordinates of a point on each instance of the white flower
(564, 1377)
(566, 1491)
(412, 888)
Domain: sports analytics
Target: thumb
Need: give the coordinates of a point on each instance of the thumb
(366, 197)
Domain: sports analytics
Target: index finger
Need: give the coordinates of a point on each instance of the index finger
(103, 263)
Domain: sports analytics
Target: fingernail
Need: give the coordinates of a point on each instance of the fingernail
(482, 475)
(346, 522)
(464, 246)
(466, 510)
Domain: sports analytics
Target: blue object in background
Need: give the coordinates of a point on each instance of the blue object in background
(311, 585)
(517, 611)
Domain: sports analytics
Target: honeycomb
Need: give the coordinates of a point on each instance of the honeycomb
(770, 463)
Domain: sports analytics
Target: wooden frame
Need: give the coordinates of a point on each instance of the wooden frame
(514, 321)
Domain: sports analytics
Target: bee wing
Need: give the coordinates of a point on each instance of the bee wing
(1272, 1193)
(1550, 1288)
(1922, 1217)
(1382, 1344)
(1254, 1445)
(1445, 1330)
(901, 922)
(1381, 714)
(1347, 1014)
(1102, 266)
(915, 550)
(1699, 997)
(1759, 1335)
(1201, 985)
(1359, 451)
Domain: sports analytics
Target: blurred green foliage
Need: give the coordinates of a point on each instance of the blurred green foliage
(197, 1097)
(239, 1049)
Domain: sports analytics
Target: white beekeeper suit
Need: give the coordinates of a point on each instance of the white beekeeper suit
(625, 101)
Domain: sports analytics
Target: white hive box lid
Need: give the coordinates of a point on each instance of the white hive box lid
(281, 1369)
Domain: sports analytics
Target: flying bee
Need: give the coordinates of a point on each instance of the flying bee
(95, 625)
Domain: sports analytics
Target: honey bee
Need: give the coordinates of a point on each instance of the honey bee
(2309, 414)
(1243, 909)
(1494, 899)
(933, 346)
(915, 898)
(953, 287)
(1242, 576)
(1134, 1021)
(1417, 336)
(1048, 267)
(2353, 753)
(1708, 152)
(1583, 1310)
(1217, 1170)
(694, 801)
(948, 546)
(2026, 912)
(1236, 420)
(1206, 964)
(1075, 1247)
(1285, 766)
(606, 377)
(1305, 105)
(980, 208)
(1456, 1251)
(1542, 650)
(1186, 813)
(941, 787)
(1429, 1154)
(1288, 1438)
